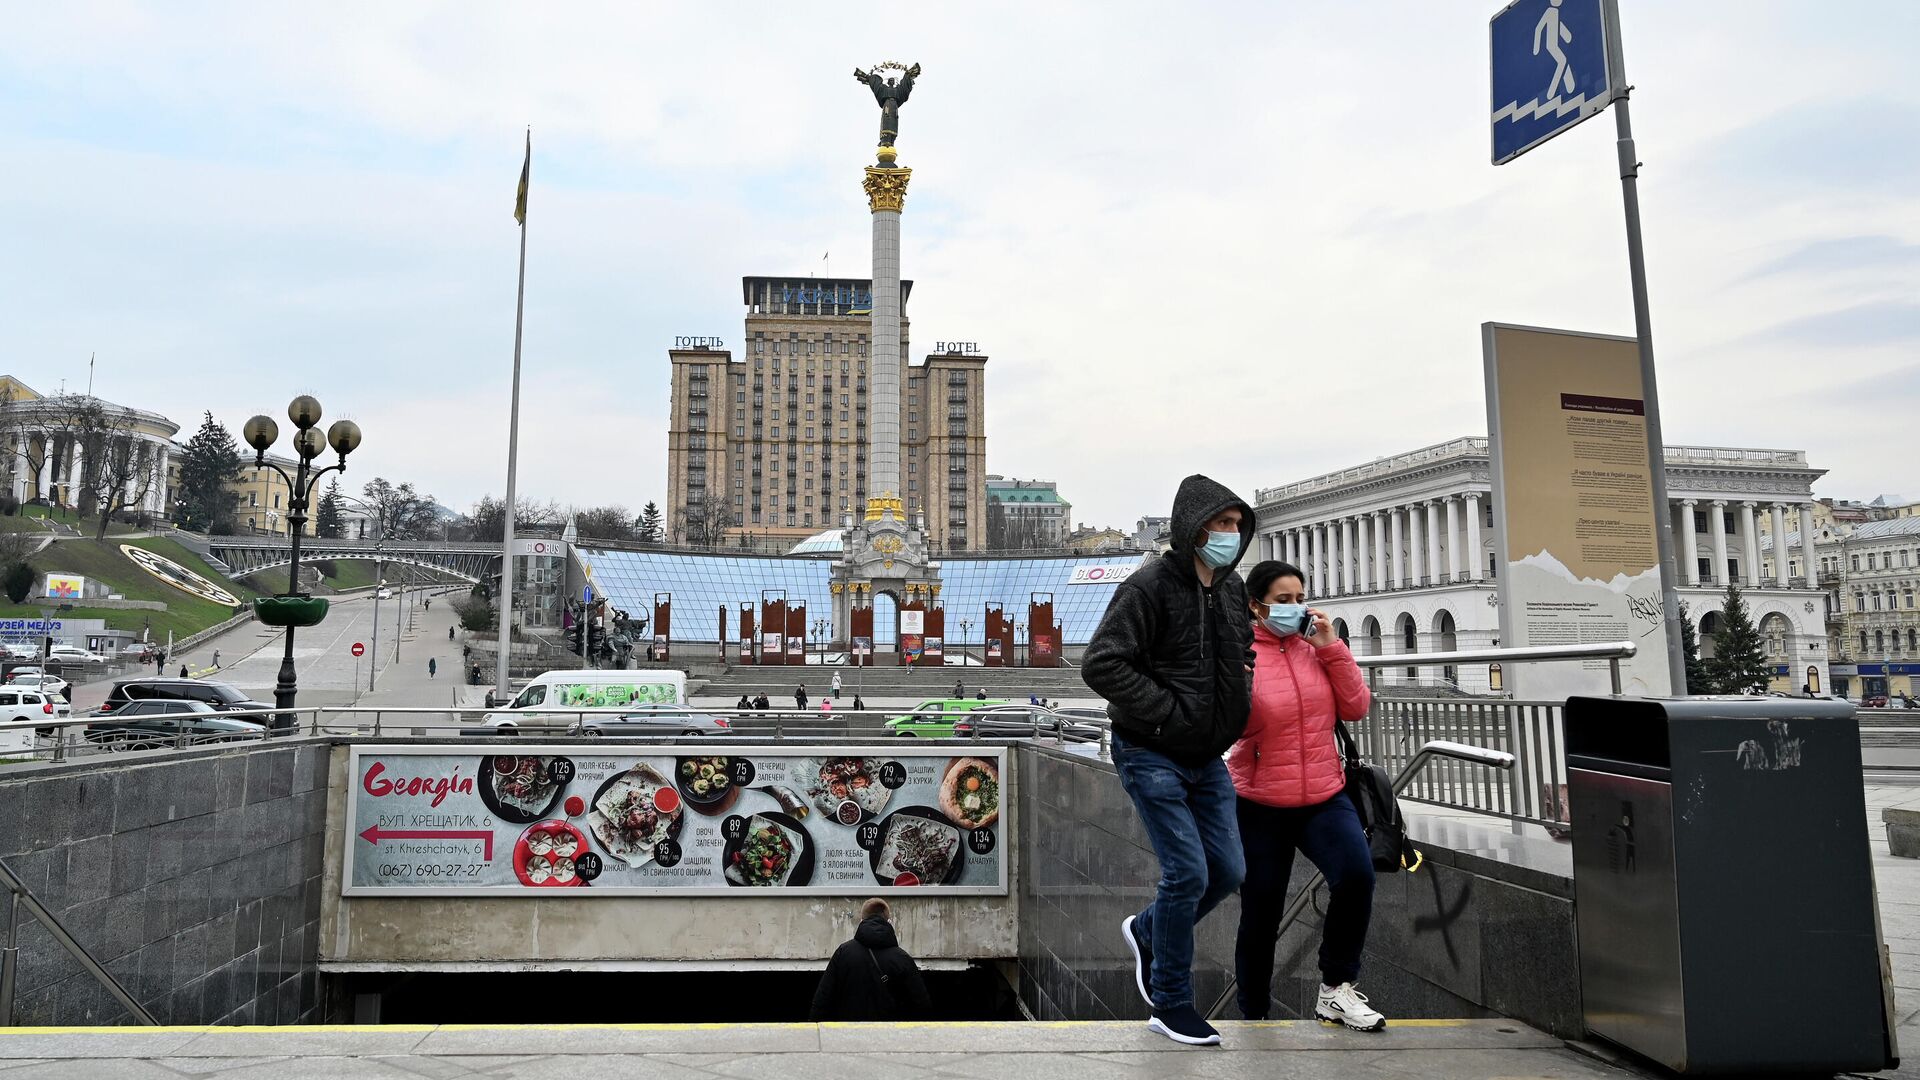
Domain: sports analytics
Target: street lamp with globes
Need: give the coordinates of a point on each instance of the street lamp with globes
(308, 444)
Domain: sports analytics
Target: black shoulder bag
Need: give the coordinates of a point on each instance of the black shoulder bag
(1371, 790)
(886, 990)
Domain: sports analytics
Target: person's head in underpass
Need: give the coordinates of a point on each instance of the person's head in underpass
(876, 908)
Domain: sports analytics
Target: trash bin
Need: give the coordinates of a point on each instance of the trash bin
(1723, 884)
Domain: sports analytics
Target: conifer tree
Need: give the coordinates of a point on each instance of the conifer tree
(1739, 663)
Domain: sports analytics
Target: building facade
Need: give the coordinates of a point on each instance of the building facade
(1400, 551)
(79, 451)
(1871, 575)
(767, 448)
(1026, 514)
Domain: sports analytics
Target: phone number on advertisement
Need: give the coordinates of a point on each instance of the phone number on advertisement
(446, 870)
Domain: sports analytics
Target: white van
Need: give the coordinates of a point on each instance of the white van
(554, 700)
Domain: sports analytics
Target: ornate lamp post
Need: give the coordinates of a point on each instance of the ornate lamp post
(966, 627)
(820, 628)
(294, 608)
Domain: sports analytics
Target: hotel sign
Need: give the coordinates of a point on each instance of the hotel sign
(707, 343)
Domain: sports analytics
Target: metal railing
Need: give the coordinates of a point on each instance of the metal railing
(1530, 731)
(18, 896)
(1438, 750)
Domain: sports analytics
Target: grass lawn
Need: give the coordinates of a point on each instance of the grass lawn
(349, 573)
(86, 525)
(103, 562)
(21, 523)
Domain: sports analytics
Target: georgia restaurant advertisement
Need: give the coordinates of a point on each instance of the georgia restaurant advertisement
(638, 821)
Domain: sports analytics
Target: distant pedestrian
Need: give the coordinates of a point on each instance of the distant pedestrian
(475, 675)
(826, 705)
(427, 603)
(858, 705)
(433, 667)
(980, 694)
(183, 672)
(761, 702)
(216, 658)
(449, 633)
(836, 686)
(800, 695)
(745, 703)
(871, 977)
(1034, 699)
(959, 690)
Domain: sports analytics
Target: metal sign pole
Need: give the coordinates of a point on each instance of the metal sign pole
(1649, 385)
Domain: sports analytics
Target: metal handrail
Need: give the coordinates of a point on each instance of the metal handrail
(1437, 748)
(1611, 651)
(18, 894)
(1599, 650)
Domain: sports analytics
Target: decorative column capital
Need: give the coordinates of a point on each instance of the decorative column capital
(887, 188)
(1689, 502)
(1747, 504)
(1719, 502)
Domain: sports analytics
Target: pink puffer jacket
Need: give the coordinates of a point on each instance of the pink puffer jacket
(1287, 756)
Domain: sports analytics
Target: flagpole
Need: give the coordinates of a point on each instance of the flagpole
(513, 456)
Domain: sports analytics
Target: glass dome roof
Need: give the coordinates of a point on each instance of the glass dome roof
(829, 542)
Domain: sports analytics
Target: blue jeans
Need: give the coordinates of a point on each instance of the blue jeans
(1329, 835)
(1188, 815)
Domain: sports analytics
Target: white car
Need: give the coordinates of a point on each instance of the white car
(25, 707)
(383, 594)
(51, 685)
(23, 650)
(74, 654)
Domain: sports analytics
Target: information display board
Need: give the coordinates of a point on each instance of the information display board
(1575, 517)
(840, 821)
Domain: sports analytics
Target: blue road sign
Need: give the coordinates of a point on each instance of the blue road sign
(1553, 66)
(586, 594)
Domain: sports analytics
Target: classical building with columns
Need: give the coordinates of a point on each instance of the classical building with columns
(1400, 551)
(48, 440)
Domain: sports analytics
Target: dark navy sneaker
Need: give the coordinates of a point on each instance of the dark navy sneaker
(1142, 950)
(1184, 1024)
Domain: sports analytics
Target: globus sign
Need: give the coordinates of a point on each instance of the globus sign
(1102, 575)
(540, 548)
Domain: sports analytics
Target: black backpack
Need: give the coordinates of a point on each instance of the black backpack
(1371, 790)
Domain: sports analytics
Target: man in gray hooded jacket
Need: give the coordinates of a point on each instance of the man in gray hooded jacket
(1173, 657)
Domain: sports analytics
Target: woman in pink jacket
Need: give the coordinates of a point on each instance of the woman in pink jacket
(1291, 784)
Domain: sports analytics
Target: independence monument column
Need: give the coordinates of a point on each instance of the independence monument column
(884, 552)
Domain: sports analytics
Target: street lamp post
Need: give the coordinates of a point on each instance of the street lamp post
(820, 627)
(308, 444)
(966, 628)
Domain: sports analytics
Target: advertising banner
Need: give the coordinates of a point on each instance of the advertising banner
(913, 622)
(863, 646)
(581, 822)
(1576, 521)
(539, 548)
(1101, 575)
(65, 586)
(773, 643)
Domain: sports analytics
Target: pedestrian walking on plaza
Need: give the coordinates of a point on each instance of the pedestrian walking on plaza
(800, 695)
(836, 686)
(473, 676)
(959, 690)
(826, 705)
(1173, 656)
(433, 667)
(858, 705)
(449, 633)
(1292, 783)
(183, 672)
(744, 704)
(980, 694)
(216, 658)
(761, 702)
(871, 977)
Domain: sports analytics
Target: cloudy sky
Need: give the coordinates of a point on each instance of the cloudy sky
(1255, 240)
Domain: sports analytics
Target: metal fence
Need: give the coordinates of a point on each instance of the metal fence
(1534, 790)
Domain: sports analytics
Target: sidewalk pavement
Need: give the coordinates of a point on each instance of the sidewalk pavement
(1432, 1050)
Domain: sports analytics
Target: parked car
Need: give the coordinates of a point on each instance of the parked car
(1092, 714)
(23, 650)
(25, 704)
(25, 670)
(1874, 701)
(143, 725)
(138, 650)
(216, 695)
(74, 654)
(383, 593)
(653, 720)
(1023, 722)
(934, 718)
(46, 684)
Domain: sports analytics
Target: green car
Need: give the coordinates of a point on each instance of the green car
(934, 718)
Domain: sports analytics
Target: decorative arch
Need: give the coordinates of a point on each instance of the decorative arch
(1340, 630)
(1709, 622)
(1406, 634)
(1370, 636)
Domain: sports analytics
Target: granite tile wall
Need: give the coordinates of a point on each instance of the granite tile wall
(193, 877)
(1466, 936)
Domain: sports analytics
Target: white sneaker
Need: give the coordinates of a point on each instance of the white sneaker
(1346, 1006)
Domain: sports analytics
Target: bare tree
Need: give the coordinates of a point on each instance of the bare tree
(120, 474)
(702, 523)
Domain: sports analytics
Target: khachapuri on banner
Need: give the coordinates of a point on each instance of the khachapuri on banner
(422, 821)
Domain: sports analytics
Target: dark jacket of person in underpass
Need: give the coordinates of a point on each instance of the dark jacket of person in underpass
(871, 977)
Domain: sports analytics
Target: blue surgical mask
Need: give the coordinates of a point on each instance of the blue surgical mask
(1220, 548)
(1288, 619)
